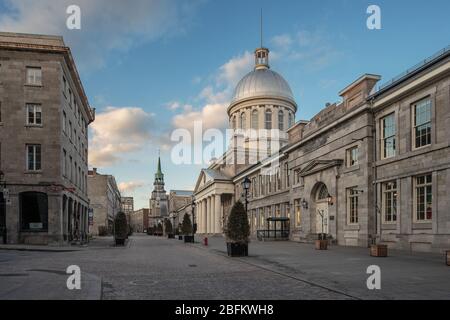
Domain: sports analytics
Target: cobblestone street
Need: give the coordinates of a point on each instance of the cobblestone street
(159, 268)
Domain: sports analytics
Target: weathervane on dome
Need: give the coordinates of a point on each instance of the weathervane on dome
(261, 54)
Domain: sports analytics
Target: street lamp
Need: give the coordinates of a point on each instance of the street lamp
(330, 199)
(246, 185)
(194, 224)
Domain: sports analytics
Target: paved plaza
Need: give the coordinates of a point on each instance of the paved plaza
(159, 268)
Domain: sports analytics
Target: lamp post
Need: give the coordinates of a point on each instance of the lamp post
(194, 224)
(246, 185)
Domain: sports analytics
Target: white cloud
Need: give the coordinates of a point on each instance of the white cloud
(309, 49)
(118, 131)
(129, 187)
(105, 24)
(211, 116)
(215, 97)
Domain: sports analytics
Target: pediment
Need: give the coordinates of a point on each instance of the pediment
(319, 165)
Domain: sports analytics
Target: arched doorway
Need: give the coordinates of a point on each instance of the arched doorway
(322, 220)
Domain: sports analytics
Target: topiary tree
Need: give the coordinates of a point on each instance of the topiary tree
(120, 226)
(168, 226)
(238, 229)
(186, 227)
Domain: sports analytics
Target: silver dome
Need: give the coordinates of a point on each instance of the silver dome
(262, 82)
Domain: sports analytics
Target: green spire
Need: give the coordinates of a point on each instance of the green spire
(159, 175)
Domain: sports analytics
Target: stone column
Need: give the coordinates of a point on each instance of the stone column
(204, 214)
(217, 214)
(208, 209)
(200, 216)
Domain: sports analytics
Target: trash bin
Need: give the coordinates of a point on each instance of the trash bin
(205, 241)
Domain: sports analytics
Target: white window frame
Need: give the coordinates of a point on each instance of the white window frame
(389, 196)
(34, 155)
(267, 121)
(281, 120)
(414, 126)
(298, 212)
(352, 195)
(34, 76)
(425, 185)
(384, 139)
(350, 157)
(36, 109)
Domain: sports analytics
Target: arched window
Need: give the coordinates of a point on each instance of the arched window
(322, 192)
(255, 119)
(33, 211)
(291, 119)
(268, 119)
(281, 120)
(243, 120)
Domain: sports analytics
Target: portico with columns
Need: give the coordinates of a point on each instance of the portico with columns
(213, 197)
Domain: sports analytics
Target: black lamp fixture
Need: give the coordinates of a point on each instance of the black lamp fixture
(304, 204)
(330, 199)
(246, 185)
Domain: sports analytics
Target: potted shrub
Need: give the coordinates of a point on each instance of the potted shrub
(120, 228)
(159, 230)
(322, 242)
(378, 250)
(168, 228)
(238, 231)
(186, 229)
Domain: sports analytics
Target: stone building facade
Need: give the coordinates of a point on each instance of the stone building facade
(139, 220)
(179, 199)
(43, 141)
(105, 199)
(372, 168)
(127, 207)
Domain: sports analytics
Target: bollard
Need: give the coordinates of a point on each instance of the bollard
(205, 241)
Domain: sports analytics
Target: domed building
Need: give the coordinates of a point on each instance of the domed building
(262, 101)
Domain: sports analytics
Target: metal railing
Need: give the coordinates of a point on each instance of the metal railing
(272, 234)
(414, 68)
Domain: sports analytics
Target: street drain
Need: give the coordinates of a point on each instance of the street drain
(143, 282)
(49, 271)
(192, 265)
(13, 274)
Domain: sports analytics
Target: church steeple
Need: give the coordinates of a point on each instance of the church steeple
(159, 176)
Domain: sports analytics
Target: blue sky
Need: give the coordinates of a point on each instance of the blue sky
(151, 66)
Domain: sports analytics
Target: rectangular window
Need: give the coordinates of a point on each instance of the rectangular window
(352, 157)
(277, 211)
(70, 98)
(34, 76)
(423, 198)
(64, 167)
(64, 86)
(298, 213)
(34, 157)
(64, 120)
(288, 210)
(389, 202)
(70, 130)
(352, 206)
(261, 218)
(34, 114)
(388, 133)
(422, 123)
(288, 177)
(70, 169)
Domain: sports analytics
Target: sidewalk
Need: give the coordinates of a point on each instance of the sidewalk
(404, 275)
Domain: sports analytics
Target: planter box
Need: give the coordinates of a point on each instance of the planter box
(170, 236)
(378, 250)
(321, 244)
(180, 237)
(237, 249)
(120, 242)
(447, 257)
(188, 239)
